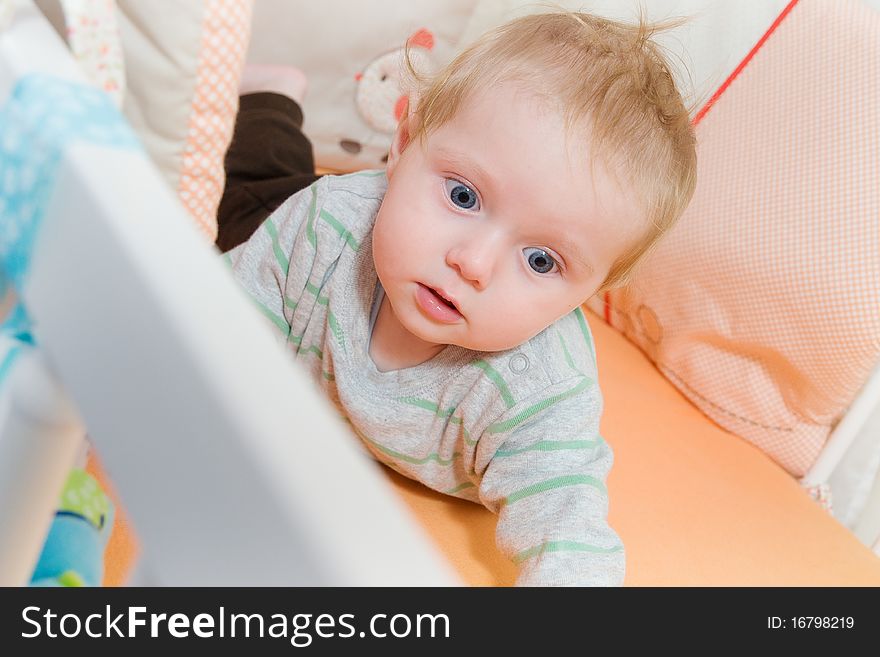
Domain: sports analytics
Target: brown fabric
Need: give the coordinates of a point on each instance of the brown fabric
(268, 160)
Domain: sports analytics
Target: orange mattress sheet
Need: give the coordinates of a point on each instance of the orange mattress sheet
(694, 504)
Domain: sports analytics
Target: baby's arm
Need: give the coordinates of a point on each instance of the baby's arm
(546, 481)
(261, 265)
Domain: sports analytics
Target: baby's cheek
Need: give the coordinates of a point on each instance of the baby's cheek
(497, 331)
(380, 249)
(526, 316)
(407, 241)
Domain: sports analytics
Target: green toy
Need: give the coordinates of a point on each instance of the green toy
(73, 554)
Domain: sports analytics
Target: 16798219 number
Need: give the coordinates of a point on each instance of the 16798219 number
(811, 622)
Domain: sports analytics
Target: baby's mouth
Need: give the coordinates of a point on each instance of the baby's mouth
(437, 306)
(445, 300)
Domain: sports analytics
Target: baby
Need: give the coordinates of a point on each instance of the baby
(437, 302)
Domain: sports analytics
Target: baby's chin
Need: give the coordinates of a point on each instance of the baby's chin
(494, 344)
(493, 347)
(485, 345)
(466, 339)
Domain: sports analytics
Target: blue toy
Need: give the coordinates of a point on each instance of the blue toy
(73, 554)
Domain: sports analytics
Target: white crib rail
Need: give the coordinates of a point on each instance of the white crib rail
(850, 465)
(846, 432)
(40, 433)
(233, 468)
(40, 436)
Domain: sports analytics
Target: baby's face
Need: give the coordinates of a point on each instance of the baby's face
(498, 227)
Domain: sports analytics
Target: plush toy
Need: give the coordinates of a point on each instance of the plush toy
(381, 98)
(73, 554)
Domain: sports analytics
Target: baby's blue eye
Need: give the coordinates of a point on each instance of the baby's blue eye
(539, 260)
(461, 195)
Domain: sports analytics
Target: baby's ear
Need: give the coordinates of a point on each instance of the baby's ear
(406, 127)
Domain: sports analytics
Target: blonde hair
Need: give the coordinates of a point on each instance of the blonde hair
(604, 74)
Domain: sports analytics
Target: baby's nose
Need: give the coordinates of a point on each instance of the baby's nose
(474, 260)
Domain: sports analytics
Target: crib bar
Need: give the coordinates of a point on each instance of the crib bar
(232, 466)
(31, 45)
(40, 436)
(847, 430)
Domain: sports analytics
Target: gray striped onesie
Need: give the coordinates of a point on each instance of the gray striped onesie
(517, 430)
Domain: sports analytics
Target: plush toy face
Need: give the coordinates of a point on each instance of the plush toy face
(381, 98)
